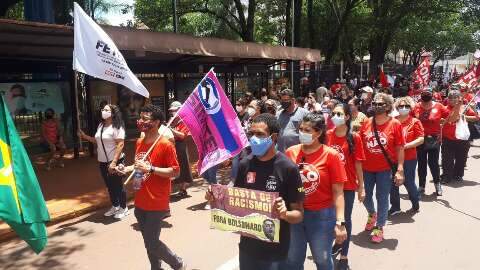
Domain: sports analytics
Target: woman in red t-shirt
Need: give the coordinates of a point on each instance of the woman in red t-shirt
(430, 113)
(180, 133)
(412, 130)
(455, 151)
(323, 175)
(350, 147)
(383, 142)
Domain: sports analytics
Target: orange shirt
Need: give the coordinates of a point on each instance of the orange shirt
(341, 145)
(430, 118)
(181, 127)
(390, 135)
(412, 129)
(319, 171)
(449, 129)
(154, 195)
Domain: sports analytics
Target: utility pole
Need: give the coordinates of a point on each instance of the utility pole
(92, 11)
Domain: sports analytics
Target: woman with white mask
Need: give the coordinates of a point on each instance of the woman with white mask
(413, 133)
(350, 147)
(109, 139)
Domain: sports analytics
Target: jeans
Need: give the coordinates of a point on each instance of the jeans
(409, 171)
(432, 155)
(454, 158)
(211, 175)
(150, 226)
(248, 262)
(383, 181)
(317, 229)
(118, 196)
(349, 196)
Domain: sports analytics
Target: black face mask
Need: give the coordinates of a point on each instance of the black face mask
(426, 98)
(49, 116)
(379, 109)
(285, 104)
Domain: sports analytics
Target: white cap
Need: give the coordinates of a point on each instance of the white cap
(367, 89)
(175, 106)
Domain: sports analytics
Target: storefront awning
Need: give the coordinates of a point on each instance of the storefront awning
(50, 42)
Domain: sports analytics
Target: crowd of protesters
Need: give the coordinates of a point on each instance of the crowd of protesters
(354, 140)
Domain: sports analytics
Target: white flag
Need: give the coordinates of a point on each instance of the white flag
(96, 55)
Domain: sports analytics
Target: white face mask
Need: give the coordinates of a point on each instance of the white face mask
(338, 120)
(251, 111)
(403, 111)
(239, 108)
(305, 138)
(106, 115)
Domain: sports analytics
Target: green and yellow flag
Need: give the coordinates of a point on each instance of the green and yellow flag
(22, 205)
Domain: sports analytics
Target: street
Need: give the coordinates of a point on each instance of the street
(443, 236)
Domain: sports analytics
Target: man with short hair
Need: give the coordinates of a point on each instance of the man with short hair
(269, 170)
(289, 119)
(153, 174)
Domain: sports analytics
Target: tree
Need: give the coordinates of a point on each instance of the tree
(5, 5)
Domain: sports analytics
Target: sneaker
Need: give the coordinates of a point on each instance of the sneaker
(207, 207)
(459, 178)
(336, 249)
(121, 213)
(393, 212)
(377, 235)
(415, 209)
(372, 219)
(112, 211)
(343, 264)
(438, 189)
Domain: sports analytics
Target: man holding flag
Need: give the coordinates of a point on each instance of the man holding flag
(22, 205)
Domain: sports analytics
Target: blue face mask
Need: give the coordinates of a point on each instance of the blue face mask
(260, 145)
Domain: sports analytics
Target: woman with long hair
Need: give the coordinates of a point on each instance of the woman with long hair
(323, 175)
(109, 139)
(350, 147)
(383, 142)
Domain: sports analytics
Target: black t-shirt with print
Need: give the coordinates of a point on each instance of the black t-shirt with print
(280, 175)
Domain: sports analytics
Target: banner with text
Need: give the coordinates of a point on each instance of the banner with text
(245, 211)
(470, 78)
(421, 77)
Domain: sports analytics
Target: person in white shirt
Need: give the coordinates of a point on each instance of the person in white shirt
(109, 138)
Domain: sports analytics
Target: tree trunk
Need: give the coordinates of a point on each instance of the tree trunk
(378, 49)
(250, 27)
(297, 22)
(288, 23)
(311, 30)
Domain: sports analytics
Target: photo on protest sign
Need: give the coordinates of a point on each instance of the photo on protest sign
(245, 211)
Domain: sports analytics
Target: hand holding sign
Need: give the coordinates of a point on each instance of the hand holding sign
(281, 208)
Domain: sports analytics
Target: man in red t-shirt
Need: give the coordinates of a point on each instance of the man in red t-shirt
(153, 172)
(454, 150)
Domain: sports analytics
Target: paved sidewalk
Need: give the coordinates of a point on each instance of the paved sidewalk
(74, 190)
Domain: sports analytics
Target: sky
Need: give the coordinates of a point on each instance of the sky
(116, 17)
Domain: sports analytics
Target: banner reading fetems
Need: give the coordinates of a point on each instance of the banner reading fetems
(245, 211)
(96, 54)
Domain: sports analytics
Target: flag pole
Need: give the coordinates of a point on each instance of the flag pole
(161, 133)
(78, 108)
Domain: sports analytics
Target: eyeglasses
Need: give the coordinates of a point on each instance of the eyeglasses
(378, 104)
(338, 114)
(404, 106)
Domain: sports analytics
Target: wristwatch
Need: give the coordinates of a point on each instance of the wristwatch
(340, 223)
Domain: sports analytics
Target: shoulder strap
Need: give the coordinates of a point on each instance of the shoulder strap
(384, 152)
(103, 146)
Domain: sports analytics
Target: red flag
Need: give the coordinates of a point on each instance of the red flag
(383, 79)
(469, 79)
(477, 73)
(421, 77)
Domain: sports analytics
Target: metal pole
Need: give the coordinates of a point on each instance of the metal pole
(293, 42)
(92, 12)
(361, 69)
(175, 18)
(341, 70)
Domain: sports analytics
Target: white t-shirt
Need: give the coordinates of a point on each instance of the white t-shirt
(109, 135)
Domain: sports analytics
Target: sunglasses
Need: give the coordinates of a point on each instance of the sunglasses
(404, 107)
(338, 114)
